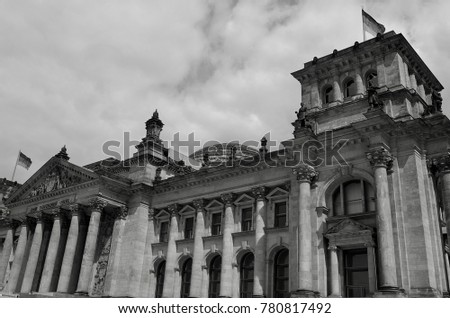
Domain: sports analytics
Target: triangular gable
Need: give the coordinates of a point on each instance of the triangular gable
(54, 175)
(245, 198)
(277, 192)
(186, 210)
(214, 204)
(162, 214)
(348, 226)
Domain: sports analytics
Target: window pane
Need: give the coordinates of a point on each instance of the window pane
(164, 232)
(281, 274)
(280, 214)
(189, 228)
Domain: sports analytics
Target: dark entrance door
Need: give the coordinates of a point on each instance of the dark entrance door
(356, 273)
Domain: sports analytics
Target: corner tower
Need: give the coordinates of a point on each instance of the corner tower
(335, 88)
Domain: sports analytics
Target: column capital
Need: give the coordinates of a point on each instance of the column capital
(173, 209)
(199, 204)
(333, 248)
(97, 204)
(306, 173)
(121, 212)
(380, 157)
(228, 198)
(259, 192)
(439, 163)
(75, 209)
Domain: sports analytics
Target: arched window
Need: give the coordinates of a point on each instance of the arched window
(353, 197)
(371, 79)
(281, 274)
(349, 88)
(328, 94)
(214, 277)
(186, 278)
(160, 279)
(247, 269)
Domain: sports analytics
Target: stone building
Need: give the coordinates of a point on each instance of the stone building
(356, 205)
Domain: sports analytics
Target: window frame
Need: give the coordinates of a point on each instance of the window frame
(278, 293)
(216, 225)
(215, 282)
(186, 283)
(347, 92)
(365, 200)
(160, 272)
(243, 272)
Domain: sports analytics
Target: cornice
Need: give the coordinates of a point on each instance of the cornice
(55, 193)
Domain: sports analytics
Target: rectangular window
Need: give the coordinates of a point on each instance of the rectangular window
(280, 214)
(216, 224)
(164, 232)
(247, 218)
(189, 228)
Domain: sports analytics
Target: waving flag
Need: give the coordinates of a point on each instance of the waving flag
(371, 25)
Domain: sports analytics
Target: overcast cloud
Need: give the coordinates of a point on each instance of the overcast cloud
(79, 73)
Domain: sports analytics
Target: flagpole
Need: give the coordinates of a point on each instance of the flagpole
(362, 17)
(14, 172)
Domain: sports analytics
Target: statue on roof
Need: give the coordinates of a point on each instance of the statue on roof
(301, 115)
(372, 95)
(436, 101)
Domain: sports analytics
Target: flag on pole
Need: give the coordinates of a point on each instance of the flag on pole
(371, 25)
(24, 161)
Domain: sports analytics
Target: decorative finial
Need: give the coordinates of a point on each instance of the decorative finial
(263, 148)
(63, 153)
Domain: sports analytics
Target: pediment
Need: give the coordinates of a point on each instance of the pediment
(187, 209)
(277, 192)
(57, 174)
(243, 199)
(348, 226)
(214, 204)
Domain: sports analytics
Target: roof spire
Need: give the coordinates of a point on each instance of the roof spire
(63, 154)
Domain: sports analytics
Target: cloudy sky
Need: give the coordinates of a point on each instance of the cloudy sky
(80, 73)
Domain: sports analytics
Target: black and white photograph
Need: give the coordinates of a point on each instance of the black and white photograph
(224, 149)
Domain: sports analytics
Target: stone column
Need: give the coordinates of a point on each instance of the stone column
(260, 242)
(337, 95)
(359, 83)
(306, 175)
(226, 273)
(335, 277)
(52, 251)
(69, 252)
(14, 276)
(197, 259)
(169, 274)
(121, 214)
(382, 160)
(440, 166)
(96, 206)
(30, 269)
(147, 275)
(7, 247)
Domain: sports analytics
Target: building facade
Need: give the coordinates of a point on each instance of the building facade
(357, 204)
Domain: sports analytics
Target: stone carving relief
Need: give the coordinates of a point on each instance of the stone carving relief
(58, 178)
